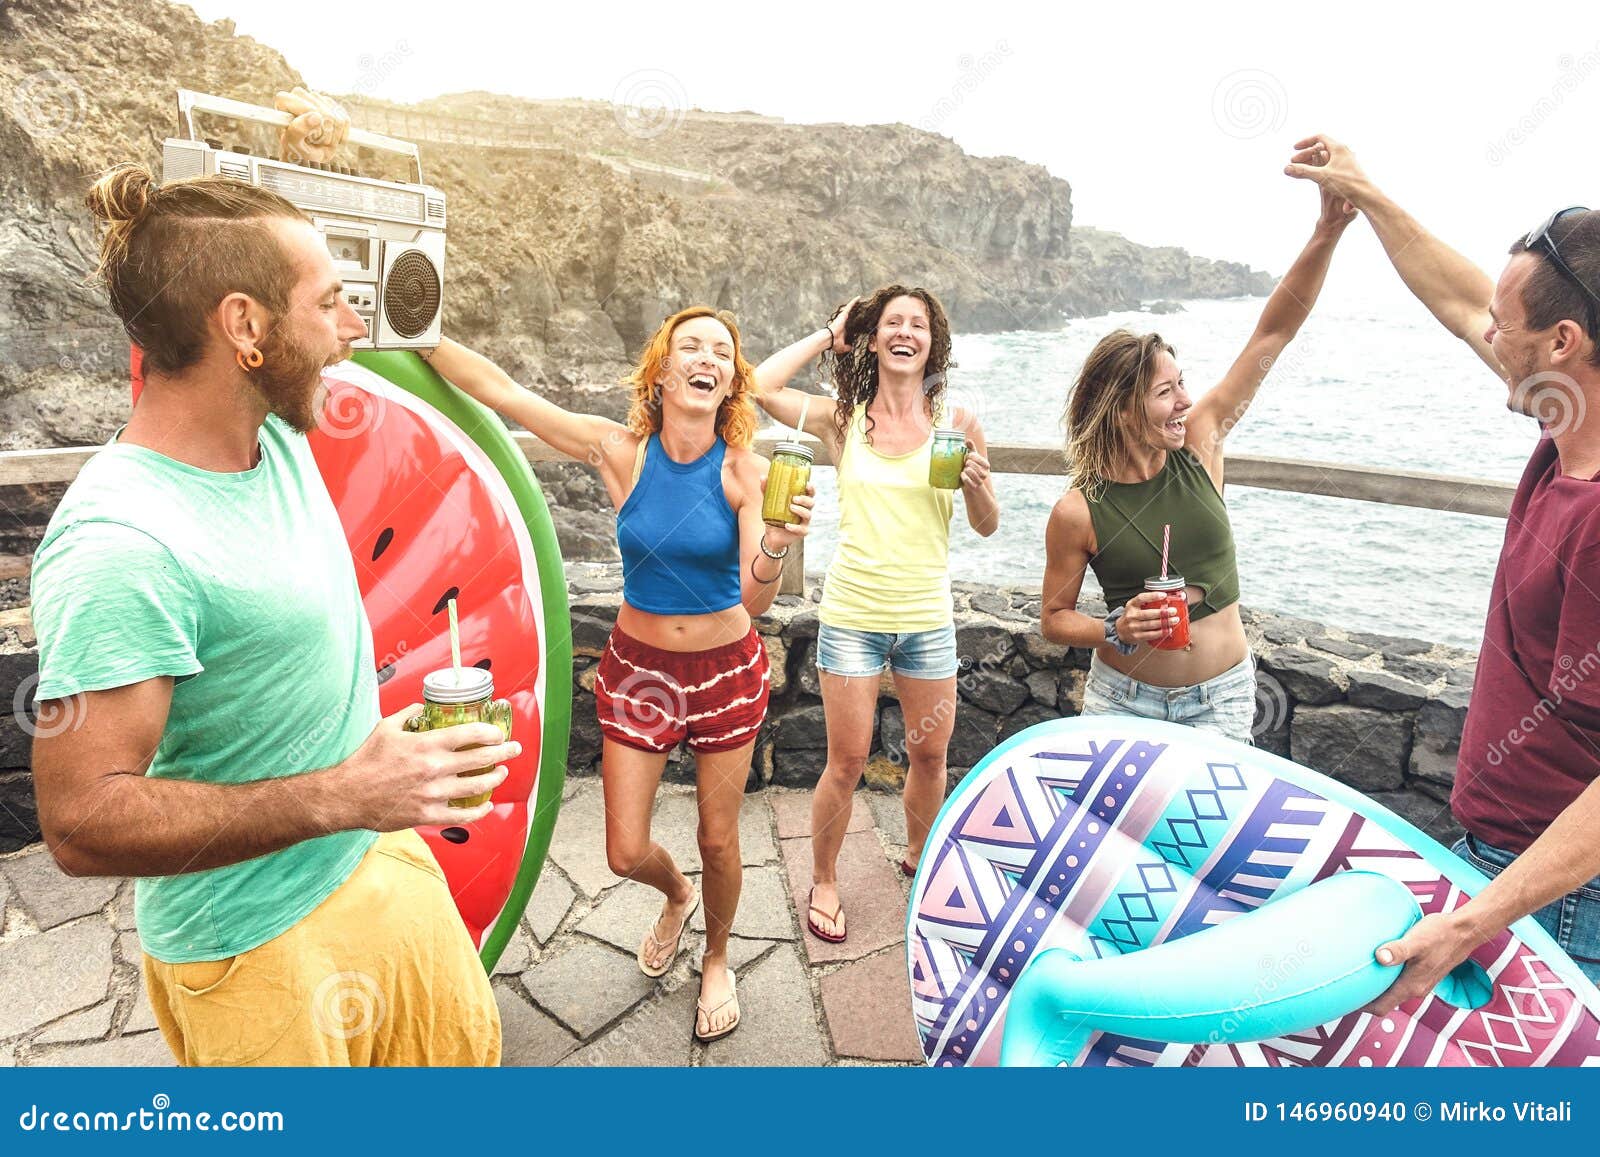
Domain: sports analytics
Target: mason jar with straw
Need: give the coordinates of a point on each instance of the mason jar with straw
(454, 695)
(1172, 589)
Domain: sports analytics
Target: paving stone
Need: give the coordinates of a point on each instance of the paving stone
(874, 902)
(8, 1056)
(579, 846)
(50, 896)
(869, 1012)
(587, 986)
(518, 953)
(778, 1022)
(763, 907)
(91, 1024)
(130, 948)
(147, 1050)
(756, 842)
(528, 1037)
(673, 825)
(658, 1033)
(48, 975)
(889, 815)
(793, 812)
(622, 918)
(143, 1018)
(552, 900)
(741, 951)
(123, 909)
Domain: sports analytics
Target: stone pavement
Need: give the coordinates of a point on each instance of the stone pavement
(569, 990)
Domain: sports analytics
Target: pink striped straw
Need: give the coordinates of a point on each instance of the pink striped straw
(1166, 542)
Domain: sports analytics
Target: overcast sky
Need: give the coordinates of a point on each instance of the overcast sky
(1171, 120)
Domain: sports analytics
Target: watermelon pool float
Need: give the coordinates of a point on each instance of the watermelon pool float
(438, 503)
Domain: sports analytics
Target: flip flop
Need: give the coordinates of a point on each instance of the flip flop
(831, 917)
(907, 870)
(732, 998)
(646, 949)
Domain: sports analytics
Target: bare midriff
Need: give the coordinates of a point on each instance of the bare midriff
(685, 632)
(1216, 643)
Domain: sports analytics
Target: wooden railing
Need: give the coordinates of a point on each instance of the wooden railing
(1362, 483)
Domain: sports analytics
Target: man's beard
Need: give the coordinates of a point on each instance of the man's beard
(288, 380)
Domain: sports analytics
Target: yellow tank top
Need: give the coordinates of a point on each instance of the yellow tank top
(891, 571)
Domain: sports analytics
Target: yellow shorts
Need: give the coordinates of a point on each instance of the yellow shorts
(382, 972)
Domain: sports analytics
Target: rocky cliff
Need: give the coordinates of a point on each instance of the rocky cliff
(563, 254)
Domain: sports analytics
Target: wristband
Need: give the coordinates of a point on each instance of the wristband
(1113, 638)
(762, 581)
(778, 556)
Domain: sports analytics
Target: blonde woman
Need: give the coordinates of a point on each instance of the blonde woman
(684, 664)
(886, 600)
(1143, 455)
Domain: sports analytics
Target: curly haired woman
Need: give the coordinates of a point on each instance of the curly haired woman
(684, 664)
(886, 599)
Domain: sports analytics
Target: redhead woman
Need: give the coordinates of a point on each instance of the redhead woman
(1144, 456)
(684, 664)
(886, 599)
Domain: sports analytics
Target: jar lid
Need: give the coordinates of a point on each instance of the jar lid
(799, 449)
(1173, 582)
(447, 685)
(949, 432)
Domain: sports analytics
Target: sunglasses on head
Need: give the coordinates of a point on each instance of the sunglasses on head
(1539, 241)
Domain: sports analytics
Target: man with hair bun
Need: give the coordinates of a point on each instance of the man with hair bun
(200, 624)
(1527, 784)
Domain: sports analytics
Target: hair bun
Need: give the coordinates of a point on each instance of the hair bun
(122, 193)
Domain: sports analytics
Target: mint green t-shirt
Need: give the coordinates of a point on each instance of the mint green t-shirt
(240, 587)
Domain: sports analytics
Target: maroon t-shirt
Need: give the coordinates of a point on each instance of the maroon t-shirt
(1532, 738)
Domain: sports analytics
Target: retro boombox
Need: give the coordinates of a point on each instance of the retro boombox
(386, 237)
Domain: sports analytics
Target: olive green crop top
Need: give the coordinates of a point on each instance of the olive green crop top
(1128, 517)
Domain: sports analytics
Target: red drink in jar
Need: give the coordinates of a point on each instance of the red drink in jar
(1176, 636)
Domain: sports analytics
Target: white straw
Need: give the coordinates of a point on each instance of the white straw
(455, 641)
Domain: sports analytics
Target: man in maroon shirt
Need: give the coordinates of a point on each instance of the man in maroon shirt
(1526, 786)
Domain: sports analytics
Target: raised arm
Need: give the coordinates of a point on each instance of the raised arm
(783, 401)
(1455, 290)
(1215, 415)
(604, 444)
(102, 816)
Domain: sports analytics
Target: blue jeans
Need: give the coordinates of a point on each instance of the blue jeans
(1572, 921)
(1224, 704)
(915, 654)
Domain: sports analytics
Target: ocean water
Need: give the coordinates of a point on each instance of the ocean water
(1366, 383)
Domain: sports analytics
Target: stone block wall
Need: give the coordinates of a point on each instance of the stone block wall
(1380, 713)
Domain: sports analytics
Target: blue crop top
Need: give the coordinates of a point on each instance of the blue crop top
(678, 536)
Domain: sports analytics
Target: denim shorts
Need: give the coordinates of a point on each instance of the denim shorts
(915, 654)
(1224, 704)
(1572, 921)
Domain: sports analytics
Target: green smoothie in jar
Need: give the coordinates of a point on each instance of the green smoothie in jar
(787, 479)
(451, 696)
(949, 458)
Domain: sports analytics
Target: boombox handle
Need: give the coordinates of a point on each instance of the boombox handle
(190, 102)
